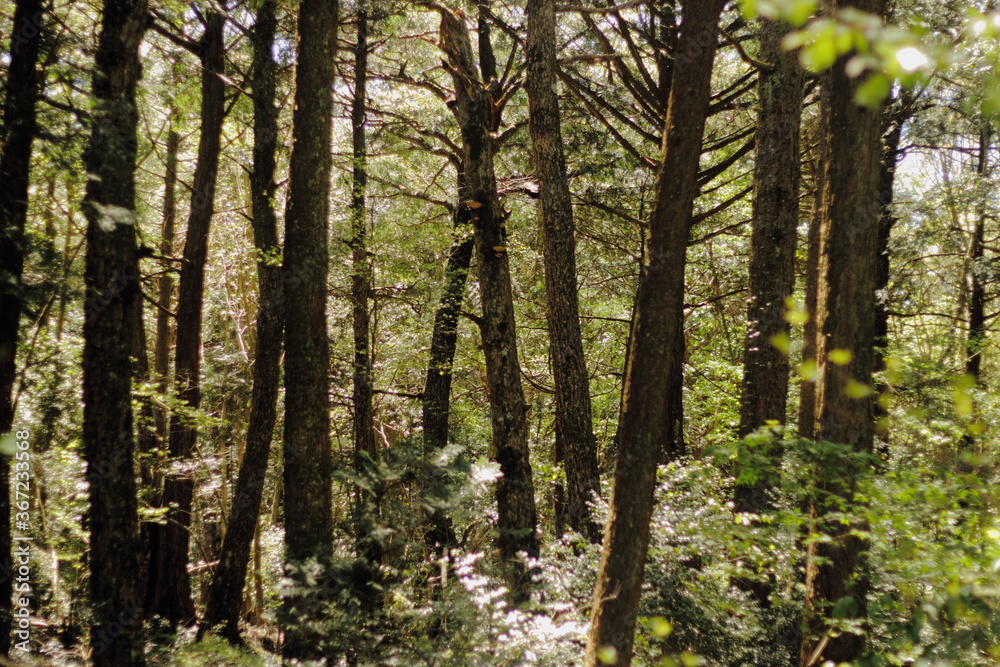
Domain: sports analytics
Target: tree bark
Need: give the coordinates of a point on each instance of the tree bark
(576, 449)
(165, 285)
(516, 513)
(113, 292)
(436, 397)
(225, 597)
(976, 278)
(764, 396)
(774, 229)
(16, 137)
(846, 306)
(810, 332)
(659, 305)
(307, 456)
(169, 586)
(365, 452)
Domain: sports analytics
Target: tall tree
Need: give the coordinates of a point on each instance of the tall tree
(436, 396)
(225, 597)
(516, 513)
(774, 226)
(977, 273)
(16, 136)
(307, 456)
(764, 395)
(848, 211)
(113, 292)
(361, 296)
(576, 448)
(165, 284)
(169, 585)
(658, 306)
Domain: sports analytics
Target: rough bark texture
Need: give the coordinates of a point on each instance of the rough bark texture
(764, 395)
(365, 453)
(516, 514)
(16, 137)
(444, 338)
(576, 448)
(113, 291)
(307, 457)
(436, 397)
(165, 290)
(846, 306)
(225, 597)
(169, 586)
(659, 305)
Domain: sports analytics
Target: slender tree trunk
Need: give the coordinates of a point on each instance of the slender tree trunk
(165, 285)
(436, 397)
(976, 279)
(516, 513)
(307, 456)
(810, 332)
(764, 396)
(659, 305)
(365, 453)
(846, 305)
(225, 597)
(576, 448)
(893, 118)
(169, 592)
(113, 292)
(16, 137)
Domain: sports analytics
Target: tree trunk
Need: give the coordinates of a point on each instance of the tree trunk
(365, 453)
(846, 306)
(976, 279)
(893, 118)
(16, 137)
(307, 456)
(169, 590)
(165, 285)
(764, 396)
(516, 514)
(576, 449)
(810, 332)
(113, 292)
(436, 397)
(225, 597)
(659, 305)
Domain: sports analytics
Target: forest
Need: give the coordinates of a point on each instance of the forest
(476, 332)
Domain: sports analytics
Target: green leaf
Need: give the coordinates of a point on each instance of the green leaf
(840, 357)
(873, 90)
(8, 444)
(608, 655)
(782, 342)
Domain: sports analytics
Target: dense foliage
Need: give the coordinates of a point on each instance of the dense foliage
(923, 500)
